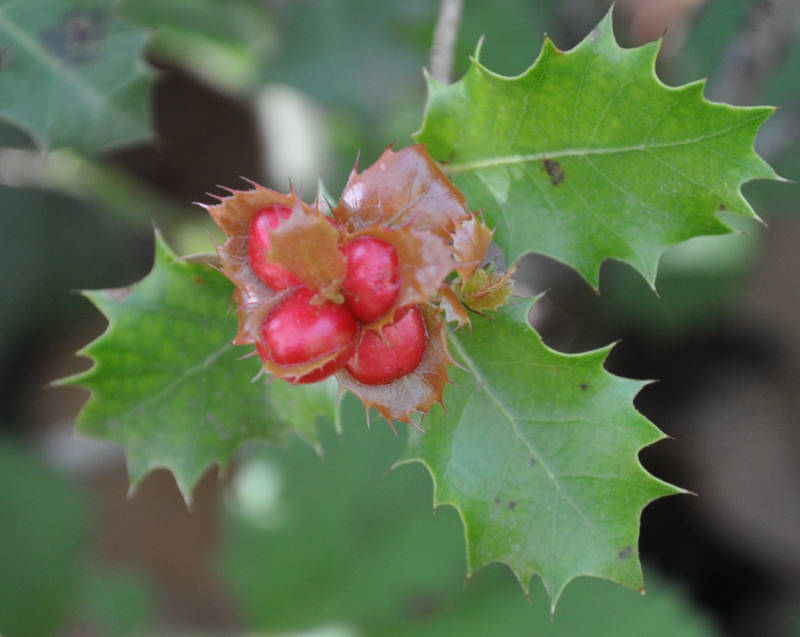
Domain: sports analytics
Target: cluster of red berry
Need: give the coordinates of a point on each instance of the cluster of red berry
(300, 331)
(362, 294)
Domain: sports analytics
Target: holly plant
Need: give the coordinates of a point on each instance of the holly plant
(387, 293)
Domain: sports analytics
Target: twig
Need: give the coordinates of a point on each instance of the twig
(444, 40)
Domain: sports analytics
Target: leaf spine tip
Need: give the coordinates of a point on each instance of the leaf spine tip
(254, 184)
(355, 164)
(478, 47)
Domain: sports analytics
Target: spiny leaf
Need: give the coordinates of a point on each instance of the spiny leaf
(538, 452)
(167, 385)
(72, 76)
(588, 156)
(225, 44)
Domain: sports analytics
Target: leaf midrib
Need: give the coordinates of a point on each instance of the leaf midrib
(516, 159)
(493, 396)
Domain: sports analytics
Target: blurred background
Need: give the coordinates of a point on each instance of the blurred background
(274, 90)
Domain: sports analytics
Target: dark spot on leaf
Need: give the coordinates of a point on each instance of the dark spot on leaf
(584, 386)
(198, 280)
(512, 505)
(625, 553)
(5, 58)
(722, 207)
(77, 35)
(532, 461)
(497, 500)
(554, 171)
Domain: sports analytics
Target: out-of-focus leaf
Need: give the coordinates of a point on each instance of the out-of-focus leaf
(369, 52)
(316, 541)
(226, 43)
(71, 75)
(117, 602)
(44, 528)
(491, 604)
(50, 245)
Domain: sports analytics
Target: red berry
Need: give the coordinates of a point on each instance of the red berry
(373, 281)
(274, 275)
(297, 333)
(380, 359)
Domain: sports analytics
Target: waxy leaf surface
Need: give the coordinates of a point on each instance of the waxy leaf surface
(71, 76)
(168, 386)
(588, 156)
(539, 453)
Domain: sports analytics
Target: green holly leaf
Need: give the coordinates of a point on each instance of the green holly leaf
(539, 452)
(168, 385)
(588, 156)
(71, 76)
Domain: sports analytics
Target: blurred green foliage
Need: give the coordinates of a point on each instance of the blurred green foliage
(47, 576)
(338, 541)
(44, 534)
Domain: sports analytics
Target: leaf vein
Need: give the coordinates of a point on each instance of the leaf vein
(523, 158)
(513, 421)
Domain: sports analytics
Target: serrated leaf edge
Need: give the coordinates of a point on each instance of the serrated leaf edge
(648, 53)
(657, 435)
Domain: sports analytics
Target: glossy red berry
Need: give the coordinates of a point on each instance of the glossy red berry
(382, 358)
(299, 333)
(373, 282)
(274, 275)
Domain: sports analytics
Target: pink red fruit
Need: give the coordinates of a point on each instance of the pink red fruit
(298, 333)
(382, 358)
(373, 281)
(274, 275)
(308, 343)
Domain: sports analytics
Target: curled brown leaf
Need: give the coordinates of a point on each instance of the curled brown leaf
(307, 244)
(234, 214)
(402, 188)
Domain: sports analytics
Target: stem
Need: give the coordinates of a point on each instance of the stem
(444, 40)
